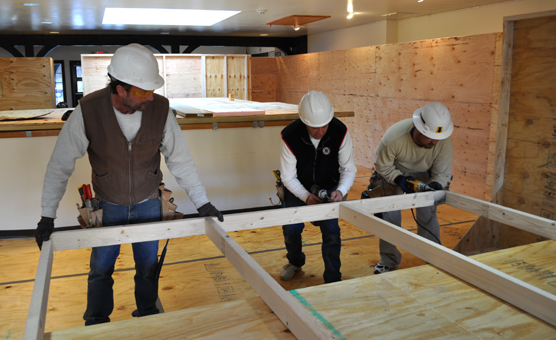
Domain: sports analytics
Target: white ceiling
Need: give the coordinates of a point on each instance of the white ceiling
(85, 16)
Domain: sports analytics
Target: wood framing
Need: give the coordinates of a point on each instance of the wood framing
(302, 323)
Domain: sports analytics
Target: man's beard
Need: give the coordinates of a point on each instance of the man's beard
(135, 107)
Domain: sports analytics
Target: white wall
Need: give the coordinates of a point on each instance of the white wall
(235, 166)
(351, 37)
(478, 20)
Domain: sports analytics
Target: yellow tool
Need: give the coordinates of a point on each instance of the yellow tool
(418, 186)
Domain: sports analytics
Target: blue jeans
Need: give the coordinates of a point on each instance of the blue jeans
(331, 245)
(100, 296)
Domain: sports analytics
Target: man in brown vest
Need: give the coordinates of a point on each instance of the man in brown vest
(123, 128)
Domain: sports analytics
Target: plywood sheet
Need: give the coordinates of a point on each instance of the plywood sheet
(184, 77)
(26, 83)
(215, 76)
(236, 76)
(530, 169)
(448, 69)
(426, 303)
(264, 79)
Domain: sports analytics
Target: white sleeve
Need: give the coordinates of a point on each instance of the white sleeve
(72, 143)
(347, 169)
(180, 162)
(289, 173)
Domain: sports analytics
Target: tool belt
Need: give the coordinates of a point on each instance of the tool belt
(167, 206)
(90, 217)
(379, 187)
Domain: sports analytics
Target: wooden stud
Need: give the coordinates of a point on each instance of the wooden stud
(292, 313)
(34, 328)
(515, 218)
(520, 294)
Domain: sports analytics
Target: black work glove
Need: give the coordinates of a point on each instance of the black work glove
(209, 210)
(45, 227)
(436, 186)
(401, 181)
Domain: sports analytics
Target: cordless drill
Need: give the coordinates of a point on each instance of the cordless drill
(323, 194)
(417, 186)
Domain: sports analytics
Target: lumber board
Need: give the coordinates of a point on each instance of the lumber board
(34, 328)
(531, 223)
(301, 323)
(516, 292)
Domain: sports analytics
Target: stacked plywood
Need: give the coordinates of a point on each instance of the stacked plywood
(384, 84)
(26, 84)
(186, 76)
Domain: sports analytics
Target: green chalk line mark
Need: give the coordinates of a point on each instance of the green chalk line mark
(316, 314)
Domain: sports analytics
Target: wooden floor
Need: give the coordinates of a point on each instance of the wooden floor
(195, 273)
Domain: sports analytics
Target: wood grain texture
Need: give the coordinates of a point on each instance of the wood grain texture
(215, 76)
(237, 76)
(184, 77)
(26, 83)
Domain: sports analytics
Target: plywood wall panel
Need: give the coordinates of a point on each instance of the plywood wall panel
(360, 71)
(264, 65)
(184, 77)
(385, 84)
(264, 79)
(448, 69)
(237, 76)
(26, 83)
(264, 87)
(215, 76)
(530, 171)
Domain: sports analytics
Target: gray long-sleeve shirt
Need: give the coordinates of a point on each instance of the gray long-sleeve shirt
(398, 153)
(72, 144)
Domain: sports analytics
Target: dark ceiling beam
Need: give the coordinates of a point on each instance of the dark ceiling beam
(12, 50)
(289, 46)
(190, 49)
(45, 50)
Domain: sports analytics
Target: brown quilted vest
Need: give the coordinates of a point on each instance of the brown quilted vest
(123, 173)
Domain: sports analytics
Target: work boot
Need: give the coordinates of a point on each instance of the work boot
(288, 272)
(381, 268)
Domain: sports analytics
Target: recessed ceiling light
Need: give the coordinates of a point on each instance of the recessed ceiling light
(164, 17)
(30, 4)
(419, 0)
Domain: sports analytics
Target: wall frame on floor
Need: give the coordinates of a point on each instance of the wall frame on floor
(290, 311)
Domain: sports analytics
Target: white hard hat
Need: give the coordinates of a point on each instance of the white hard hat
(135, 64)
(315, 110)
(434, 121)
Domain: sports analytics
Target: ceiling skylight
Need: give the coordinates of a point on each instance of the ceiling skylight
(164, 17)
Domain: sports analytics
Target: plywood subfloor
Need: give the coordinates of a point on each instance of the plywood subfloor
(421, 302)
(195, 274)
